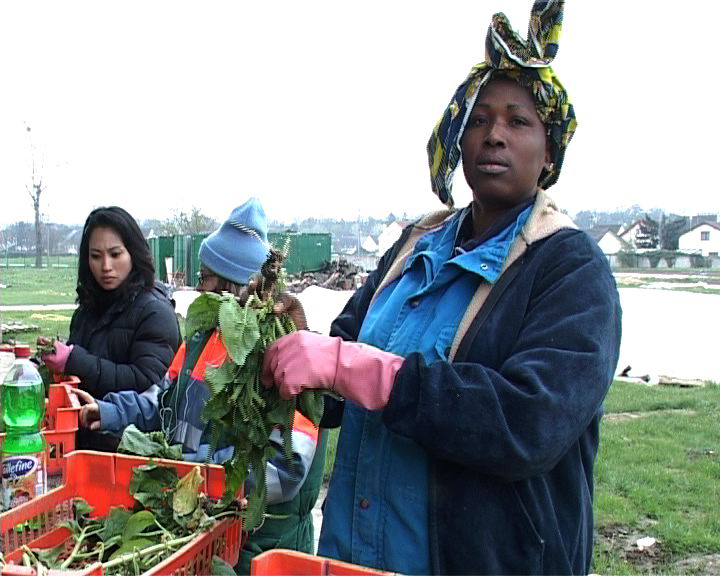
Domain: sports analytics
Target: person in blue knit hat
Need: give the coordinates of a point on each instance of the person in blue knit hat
(236, 250)
(229, 258)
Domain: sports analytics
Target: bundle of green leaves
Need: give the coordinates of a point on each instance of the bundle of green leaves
(241, 412)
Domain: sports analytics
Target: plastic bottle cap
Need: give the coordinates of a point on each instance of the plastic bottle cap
(22, 351)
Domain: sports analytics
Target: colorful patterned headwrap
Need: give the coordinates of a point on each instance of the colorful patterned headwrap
(527, 62)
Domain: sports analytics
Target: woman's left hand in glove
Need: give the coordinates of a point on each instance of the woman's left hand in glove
(57, 359)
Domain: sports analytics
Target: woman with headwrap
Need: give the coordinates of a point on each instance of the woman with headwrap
(475, 360)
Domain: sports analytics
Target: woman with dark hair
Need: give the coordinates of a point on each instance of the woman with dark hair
(124, 333)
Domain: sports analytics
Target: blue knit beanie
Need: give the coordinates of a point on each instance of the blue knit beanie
(238, 249)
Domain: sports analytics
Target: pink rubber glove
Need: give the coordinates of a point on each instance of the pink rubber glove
(56, 360)
(358, 372)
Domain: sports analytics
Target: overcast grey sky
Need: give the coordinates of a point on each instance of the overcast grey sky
(323, 108)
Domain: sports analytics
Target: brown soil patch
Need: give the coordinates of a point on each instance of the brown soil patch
(698, 564)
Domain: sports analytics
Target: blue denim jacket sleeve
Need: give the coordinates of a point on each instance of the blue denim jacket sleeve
(120, 409)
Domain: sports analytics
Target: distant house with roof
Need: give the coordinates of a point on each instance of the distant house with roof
(608, 238)
(629, 233)
(641, 235)
(701, 238)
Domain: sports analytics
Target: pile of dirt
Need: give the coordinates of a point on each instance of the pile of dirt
(17, 327)
(336, 275)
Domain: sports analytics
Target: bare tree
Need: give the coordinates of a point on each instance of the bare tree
(194, 222)
(35, 190)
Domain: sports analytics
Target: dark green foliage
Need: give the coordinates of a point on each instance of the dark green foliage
(240, 409)
(150, 444)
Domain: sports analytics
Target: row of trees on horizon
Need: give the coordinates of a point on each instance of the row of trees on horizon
(662, 229)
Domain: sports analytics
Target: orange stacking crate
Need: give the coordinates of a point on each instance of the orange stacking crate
(291, 563)
(103, 481)
(62, 419)
(63, 379)
(62, 414)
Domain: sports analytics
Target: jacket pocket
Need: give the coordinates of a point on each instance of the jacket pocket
(529, 533)
(483, 527)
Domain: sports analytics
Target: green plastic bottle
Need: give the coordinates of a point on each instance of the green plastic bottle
(7, 357)
(23, 452)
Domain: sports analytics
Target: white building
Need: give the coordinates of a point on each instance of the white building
(608, 238)
(369, 245)
(611, 244)
(703, 238)
(389, 236)
(629, 235)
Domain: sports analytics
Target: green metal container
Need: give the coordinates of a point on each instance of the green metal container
(308, 252)
(181, 252)
(195, 241)
(153, 245)
(163, 248)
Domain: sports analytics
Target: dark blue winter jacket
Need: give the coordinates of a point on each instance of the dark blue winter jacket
(510, 422)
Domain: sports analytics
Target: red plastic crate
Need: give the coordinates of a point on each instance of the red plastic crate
(102, 479)
(62, 413)
(64, 379)
(291, 563)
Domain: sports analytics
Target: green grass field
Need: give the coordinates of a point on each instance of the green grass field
(37, 285)
(658, 474)
(51, 323)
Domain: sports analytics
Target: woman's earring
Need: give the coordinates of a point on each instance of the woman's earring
(549, 166)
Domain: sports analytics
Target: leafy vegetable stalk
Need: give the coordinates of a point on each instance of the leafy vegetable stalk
(168, 514)
(43, 370)
(241, 411)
